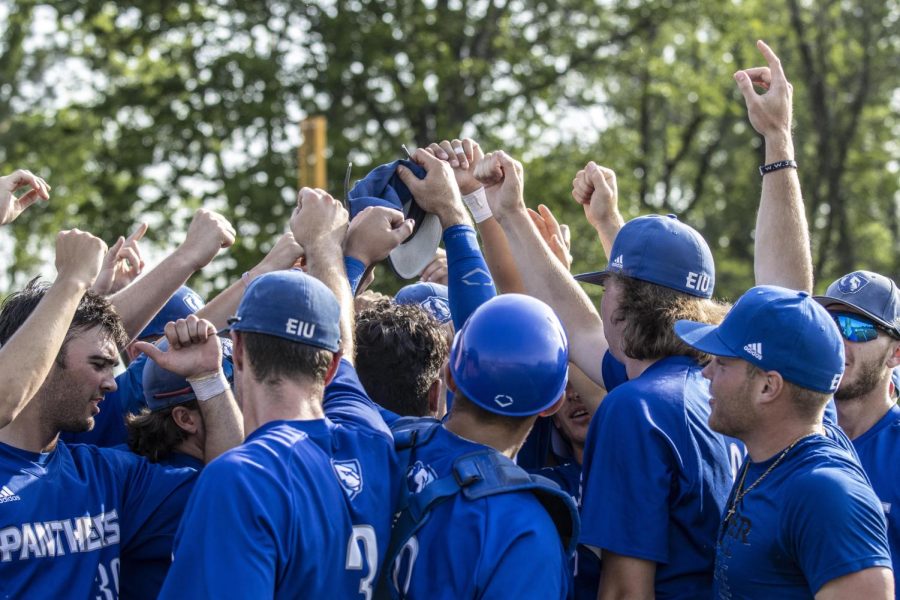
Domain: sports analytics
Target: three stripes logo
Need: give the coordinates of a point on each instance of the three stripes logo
(754, 350)
(7, 495)
(617, 263)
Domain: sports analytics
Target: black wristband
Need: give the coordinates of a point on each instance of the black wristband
(777, 166)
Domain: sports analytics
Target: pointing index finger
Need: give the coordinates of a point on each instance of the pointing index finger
(773, 60)
(138, 233)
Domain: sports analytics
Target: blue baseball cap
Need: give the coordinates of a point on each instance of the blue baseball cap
(661, 250)
(163, 388)
(183, 302)
(433, 297)
(776, 329)
(874, 295)
(383, 187)
(290, 305)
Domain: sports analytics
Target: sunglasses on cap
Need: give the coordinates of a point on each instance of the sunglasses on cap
(856, 328)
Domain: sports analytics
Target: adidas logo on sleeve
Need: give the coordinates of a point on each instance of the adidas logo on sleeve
(754, 350)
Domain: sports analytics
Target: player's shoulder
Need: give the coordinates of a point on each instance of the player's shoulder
(825, 471)
(664, 384)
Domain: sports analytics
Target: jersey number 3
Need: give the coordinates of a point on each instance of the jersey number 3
(363, 543)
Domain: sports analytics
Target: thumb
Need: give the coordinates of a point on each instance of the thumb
(746, 87)
(152, 352)
(427, 160)
(403, 231)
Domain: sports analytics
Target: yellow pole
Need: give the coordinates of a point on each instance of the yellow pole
(311, 154)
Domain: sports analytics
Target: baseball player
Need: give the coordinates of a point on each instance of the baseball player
(866, 308)
(70, 513)
(303, 508)
(472, 515)
(802, 519)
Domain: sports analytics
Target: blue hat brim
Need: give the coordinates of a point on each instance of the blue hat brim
(703, 337)
(595, 277)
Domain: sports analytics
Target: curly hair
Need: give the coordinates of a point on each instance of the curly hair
(399, 353)
(650, 311)
(155, 434)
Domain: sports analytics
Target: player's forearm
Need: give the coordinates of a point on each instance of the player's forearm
(26, 359)
(499, 258)
(469, 282)
(223, 425)
(545, 278)
(607, 230)
(782, 254)
(139, 302)
(326, 263)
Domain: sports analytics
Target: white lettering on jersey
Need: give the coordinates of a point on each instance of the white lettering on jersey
(39, 540)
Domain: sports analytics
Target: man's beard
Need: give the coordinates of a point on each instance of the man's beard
(869, 377)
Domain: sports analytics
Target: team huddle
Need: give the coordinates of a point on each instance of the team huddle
(485, 433)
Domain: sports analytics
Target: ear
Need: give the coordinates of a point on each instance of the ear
(237, 350)
(448, 378)
(186, 419)
(893, 360)
(434, 398)
(333, 367)
(772, 387)
(549, 412)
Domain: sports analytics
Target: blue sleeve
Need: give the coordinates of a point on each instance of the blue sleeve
(469, 282)
(346, 401)
(226, 546)
(355, 270)
(613, 372)
(628, 471)
(154, 499)
(836, 526)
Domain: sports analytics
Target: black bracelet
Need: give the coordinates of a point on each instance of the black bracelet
(777, 166)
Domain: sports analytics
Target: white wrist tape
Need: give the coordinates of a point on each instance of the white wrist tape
(209, 386)
(478, 205)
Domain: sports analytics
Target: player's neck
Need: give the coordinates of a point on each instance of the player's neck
(764, 443)
(285, 401)
(857, 415)
(192, 446)
(499, 438)
(29, 432)
(635, 367)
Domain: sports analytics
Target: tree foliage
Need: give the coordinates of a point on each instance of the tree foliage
(148, 109)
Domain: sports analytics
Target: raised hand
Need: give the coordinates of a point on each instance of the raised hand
(436, 271)
(462, 155)
(595, 188)
(770, 113)
(193, 349)
(286, 253)
(122, 265)
(11, 206)
(375, 232)
(208, 233)
(438, 192)
(318, 219)
(79, 256)
(504, 182)
(557, 237)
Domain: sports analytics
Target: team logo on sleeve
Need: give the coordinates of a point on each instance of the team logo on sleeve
(477, 277)
(852, 283)
(418, 476)
(349, 475)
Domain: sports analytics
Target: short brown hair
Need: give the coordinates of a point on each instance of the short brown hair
(155, 434)
(273, 358)
(650, 312)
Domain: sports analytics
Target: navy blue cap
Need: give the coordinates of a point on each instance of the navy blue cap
(661, 250)
(163, 388)
(776, 329)
(183, 302)
(383, 187)
(874, 295)
(433, 297)
(291, 305)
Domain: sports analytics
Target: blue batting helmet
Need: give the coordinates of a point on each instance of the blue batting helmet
(511, 357)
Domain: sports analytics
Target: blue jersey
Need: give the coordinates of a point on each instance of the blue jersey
(812, 519)
(301, 509)
(499, 546)
(68, 516)
(656, 477)
(585, 565)
(142, 578)
(879, 454)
